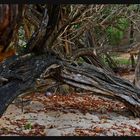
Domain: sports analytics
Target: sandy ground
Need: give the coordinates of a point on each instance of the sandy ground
(70, 115)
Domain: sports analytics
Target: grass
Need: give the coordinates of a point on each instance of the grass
(118, 60)
(123, 61)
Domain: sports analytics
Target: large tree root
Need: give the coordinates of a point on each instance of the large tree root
(19, 74)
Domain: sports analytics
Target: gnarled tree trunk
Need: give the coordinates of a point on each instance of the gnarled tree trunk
(19, 74)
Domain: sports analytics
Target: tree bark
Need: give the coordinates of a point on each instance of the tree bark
(19, 74)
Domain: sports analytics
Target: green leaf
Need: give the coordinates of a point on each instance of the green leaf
(28, 126)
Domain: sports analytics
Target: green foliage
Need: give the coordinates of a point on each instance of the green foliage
(134, 7)
(28, 126)
(118, 60)
(115, 33)
(22, 41)
(106, 11)
(80, 60)
(122, 61)
(77, 26)
(123, 23)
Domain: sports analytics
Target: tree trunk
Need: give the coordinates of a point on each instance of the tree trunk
(137, 73)
(19, 74)
(131, 41)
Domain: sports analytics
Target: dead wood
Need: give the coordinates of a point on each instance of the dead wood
(95, 79)
(20, 75)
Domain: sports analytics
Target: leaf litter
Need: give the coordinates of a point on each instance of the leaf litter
(70, 115)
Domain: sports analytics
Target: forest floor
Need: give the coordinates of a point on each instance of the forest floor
(70, 115)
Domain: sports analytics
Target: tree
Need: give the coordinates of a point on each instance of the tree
(44, 56)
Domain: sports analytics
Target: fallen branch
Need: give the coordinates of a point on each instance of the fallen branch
(22, 72)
